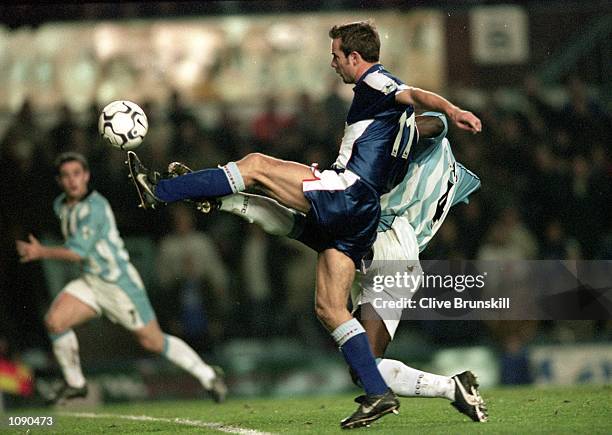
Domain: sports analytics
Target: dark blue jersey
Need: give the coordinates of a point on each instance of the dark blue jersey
(379, 132)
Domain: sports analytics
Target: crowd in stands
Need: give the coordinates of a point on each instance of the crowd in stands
(546, 176)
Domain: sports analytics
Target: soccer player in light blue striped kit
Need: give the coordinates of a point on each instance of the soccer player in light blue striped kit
(109, 285)
(412, 213)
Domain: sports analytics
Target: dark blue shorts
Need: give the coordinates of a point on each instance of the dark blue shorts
(344, 214)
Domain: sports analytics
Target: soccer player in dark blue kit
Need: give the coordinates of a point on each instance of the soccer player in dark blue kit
(342, 204)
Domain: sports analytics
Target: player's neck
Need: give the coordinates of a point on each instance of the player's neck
(362, 68)
(72, 200)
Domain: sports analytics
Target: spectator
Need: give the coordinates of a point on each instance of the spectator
(188, 134)
(190, 268)
(585, 218)
(256, 281)
(268, 127)
(499, 245)
(472, 224)
(512, 339)
(61, 132)
(518, 234)
(309, 121)
(548, 191)
(585, 117)
(335, 110)
(446, 244)
(557, 245)
(225, 134)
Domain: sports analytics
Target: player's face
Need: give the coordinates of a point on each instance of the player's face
(342, 64)
(73, 179)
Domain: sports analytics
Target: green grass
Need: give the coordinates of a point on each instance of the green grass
(575, 410)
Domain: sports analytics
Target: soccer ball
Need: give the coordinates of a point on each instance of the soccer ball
(123, 124)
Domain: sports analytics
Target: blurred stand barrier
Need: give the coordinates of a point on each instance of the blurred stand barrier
(285, 368)
(571, 364)
(539, 364)
(479, 359)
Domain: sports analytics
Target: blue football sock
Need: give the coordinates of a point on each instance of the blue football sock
(355, 347)
(207, 183)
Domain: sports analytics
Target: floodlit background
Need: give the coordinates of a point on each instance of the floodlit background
(221, 79)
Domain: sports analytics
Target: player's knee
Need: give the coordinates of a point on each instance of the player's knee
(325, 313)
(152, 344)
(253, 165)
(248, 162)
(54, 325)
(320, 310)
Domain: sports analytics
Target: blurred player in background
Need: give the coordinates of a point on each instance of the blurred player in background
(341, 205)
(411, 215)
(109, 285)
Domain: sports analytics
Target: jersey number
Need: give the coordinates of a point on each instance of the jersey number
(403, 122)
(133, 314)
(441, 204)
(444, 198)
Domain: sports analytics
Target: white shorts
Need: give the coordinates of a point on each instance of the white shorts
(131, 310)
(396, 252)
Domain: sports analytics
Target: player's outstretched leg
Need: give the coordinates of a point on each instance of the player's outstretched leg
(268, 213)
(467, 397)
(144, 181)
(279, 179)
(212, 378)
(461, 389)
(209, 183)
(180, 353)
(409, 382)
(66, 312)
(204, 205)
(66, 351)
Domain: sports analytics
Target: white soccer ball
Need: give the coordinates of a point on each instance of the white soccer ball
(123, 124)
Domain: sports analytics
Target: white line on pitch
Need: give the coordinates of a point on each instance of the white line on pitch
(182, 421)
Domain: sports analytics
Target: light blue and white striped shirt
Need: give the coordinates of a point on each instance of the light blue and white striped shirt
(434, 183)
(89, 229)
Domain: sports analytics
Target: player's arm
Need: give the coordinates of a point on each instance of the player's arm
(421, 98)
(33, 250)
(429, 126)
(432, 127)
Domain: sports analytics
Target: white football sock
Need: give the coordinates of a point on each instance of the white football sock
(408, 382)
(66, 350)
(179, 352)
(269, 214)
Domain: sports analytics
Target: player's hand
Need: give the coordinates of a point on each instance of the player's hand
(29, 251)
(466, 120)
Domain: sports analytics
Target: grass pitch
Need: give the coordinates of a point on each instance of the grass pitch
(575, 410)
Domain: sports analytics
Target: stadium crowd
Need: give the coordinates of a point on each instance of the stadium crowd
(546, 176)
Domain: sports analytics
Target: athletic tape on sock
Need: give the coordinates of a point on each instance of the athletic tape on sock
(233, 177)
(346, 331)
(54, 337)
(165, 348)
